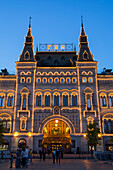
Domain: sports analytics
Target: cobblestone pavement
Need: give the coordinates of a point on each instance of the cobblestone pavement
(66, 164)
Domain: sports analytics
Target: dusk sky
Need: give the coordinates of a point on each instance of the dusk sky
(56, 21)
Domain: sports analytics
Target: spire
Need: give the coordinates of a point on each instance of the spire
(84, 51)
(29, 29)
(29, 22)
(28, 53)
(82, 27)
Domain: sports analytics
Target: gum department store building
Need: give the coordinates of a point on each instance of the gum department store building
(54, 95)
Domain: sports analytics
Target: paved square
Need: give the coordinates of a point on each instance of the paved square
(66, 164)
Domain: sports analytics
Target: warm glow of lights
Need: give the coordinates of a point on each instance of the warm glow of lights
(56, 47)
(29, 134)
(56, 121)
(56, 125)
(15, 134)
(84, 135)
(99, 135)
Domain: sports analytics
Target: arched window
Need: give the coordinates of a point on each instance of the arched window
(24, 98)
(1, 101)
(108, 125)
(105, 125)
(103, 101)
(6, 120)
(23, 121)
(10, 101)
(24, 103)
(111, 101)
(88, 103)
(56, 100)
(26, 56)
(38, 100)
(47, 100)
(74, 100)
(65, 100)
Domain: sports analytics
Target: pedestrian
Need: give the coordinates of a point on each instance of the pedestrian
(18, 160)
(44, 154)
(30, 155)
(62, 149)
(53, 153)
(11, 161)
(27, 156)
(58, 155)
(48, 150)
(40, 153)
(23, 157)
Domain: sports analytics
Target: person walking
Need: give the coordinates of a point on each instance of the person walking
(18, 161)
(44, 154)
(62, 149)
(53, 153)
(27, 156)
(11, 161)
(40, 154)
(30, 155)
(58, 155)
(23, 153)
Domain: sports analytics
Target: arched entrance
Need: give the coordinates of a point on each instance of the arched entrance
(22, 143)
(109, 146)
(5, 145)
(57, 134)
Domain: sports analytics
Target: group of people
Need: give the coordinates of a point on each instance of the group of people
(56, 153)
(22, 157)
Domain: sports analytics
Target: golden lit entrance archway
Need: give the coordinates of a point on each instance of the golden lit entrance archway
(57, 134)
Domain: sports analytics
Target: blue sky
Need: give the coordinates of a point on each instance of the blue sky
(56, 21)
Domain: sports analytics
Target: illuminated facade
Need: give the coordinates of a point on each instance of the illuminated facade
(54, 95)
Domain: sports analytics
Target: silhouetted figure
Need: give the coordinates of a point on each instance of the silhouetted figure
(54, 153)
(23, 157)
(58, 155)
(62, 149)
(44, 154)
(40, 153)
(18, 161)
(11, 161)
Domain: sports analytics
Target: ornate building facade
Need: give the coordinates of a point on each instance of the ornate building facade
(53, 96)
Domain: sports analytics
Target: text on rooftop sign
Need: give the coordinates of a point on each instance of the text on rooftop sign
(55, 47)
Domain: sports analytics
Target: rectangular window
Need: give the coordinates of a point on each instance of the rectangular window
(65, 100)
(47, 100)
(56, 100)
(24, 103)
(38, 100)
(88, 103)
(74, 100)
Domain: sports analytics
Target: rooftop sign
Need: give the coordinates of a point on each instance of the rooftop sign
(55, 47)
